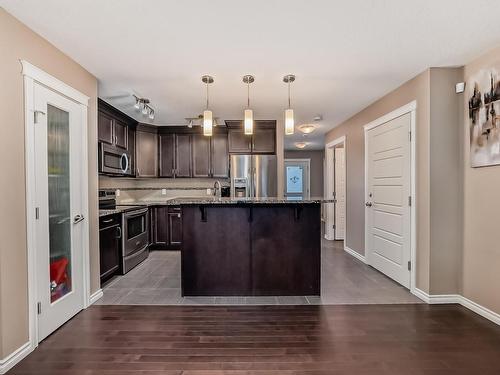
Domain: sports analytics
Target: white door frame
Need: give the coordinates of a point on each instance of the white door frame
(410, 108)
(300, 160)
(32, 75)
(330, 186)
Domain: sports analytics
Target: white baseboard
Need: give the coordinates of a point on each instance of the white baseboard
(434, 299)
(355, 254)
(95, 297)
(14, 358)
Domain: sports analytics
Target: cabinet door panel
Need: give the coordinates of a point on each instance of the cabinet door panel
(161, 226)
(183, 155)
(109, 251)
(121, 134)
(105, 128)
(201, 155)
(239, 142)
(167, 155)
(220, 156)
(175, 229)
(146, 154)
(286, 263)
(264, 141)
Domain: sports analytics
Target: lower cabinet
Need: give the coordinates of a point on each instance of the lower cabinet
(109, 246)
(166, 228)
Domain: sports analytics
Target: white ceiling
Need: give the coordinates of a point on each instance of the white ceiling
(345, 54)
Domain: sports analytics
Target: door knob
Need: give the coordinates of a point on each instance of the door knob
(78, 218)
(368, 204)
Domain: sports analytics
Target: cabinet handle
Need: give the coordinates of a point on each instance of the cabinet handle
(119, 232)
(179, 216)
(107, 221)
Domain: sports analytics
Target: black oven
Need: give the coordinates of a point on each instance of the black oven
(113, 161)
(135, 238)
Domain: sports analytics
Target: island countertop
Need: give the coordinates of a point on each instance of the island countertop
(179, 201)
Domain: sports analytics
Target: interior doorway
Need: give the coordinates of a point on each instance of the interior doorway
(57, 203)
(335, 176)
(389, 194)
(297, 179)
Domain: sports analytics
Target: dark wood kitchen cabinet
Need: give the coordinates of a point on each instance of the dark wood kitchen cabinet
(219, 156)
(112, 126)
(109, 246)
(146, 151)
(166, 226)
(167, 155)
(263, 140)
(201, 155)
(183, 155)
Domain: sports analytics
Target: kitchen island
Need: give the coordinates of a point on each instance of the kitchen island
(251, 247)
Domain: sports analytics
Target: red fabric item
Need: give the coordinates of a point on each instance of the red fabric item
(58, 270)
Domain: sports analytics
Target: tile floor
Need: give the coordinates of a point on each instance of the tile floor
(344, 280)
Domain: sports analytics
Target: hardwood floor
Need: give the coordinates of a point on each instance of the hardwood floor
(350, 339)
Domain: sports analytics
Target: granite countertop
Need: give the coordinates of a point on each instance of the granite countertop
(226, 200)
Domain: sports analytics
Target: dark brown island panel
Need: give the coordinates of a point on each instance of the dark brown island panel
(251, 249)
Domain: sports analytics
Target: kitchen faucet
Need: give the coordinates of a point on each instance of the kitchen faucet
(217, 189)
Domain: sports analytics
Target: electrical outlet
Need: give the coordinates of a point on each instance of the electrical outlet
(163, 191)
(117, 192)
(209, 191)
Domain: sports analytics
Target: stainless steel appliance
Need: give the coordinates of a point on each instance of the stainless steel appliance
(113, 161)
(135, 237)
(253, 176)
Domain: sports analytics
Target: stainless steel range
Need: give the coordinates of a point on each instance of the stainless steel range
(135, 230)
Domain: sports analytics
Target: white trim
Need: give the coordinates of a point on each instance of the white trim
(15, 357)
(440, 299)
(95, 297)
(407, 108)
(412, 109)
(355, 254)
(32, 75)
(329, 184)
(53, 83)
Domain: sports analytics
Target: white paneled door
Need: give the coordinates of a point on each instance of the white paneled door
(59, 180)
(388, 173)
(340, 193)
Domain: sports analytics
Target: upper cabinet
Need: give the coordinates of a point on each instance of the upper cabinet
(113, 126)
(201, 155)
(167, 155)
(146, 151)
(219, 152)
(263, 140)
(183, 155)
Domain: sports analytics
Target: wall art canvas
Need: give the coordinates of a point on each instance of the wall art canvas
(484, 118)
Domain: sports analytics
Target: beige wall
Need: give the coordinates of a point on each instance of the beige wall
(446, 108)
(481, 248)
(417, 89)
(19, 42)
(316, 173)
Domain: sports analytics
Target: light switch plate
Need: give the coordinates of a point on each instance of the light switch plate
(117, 192)
(460, 87)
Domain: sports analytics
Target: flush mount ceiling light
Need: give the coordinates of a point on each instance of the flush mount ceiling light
(307, 128)
(248, 123)
(142, 105)
(301, 145)
(289, 120)
(208, 121)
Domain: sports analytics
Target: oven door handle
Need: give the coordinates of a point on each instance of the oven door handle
(135, 213)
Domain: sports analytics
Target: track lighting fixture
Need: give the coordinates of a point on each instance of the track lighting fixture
(142, 104)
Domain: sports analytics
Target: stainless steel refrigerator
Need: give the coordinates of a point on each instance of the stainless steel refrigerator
(253, 176)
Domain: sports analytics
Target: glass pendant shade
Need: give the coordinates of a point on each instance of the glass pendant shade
(248, 121)
(207, 123)
(144, 110)
(289, 122)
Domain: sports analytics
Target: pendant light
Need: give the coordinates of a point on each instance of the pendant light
(208, 121)
(248, 123)
(289, 120)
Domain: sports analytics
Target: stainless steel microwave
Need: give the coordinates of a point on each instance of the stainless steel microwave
(114, 161)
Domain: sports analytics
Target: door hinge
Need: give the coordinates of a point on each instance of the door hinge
(333, 226)
(409, 136)
(39, 308)
(35, 115)
(409, 265)
(409, 200)
(37, 213)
